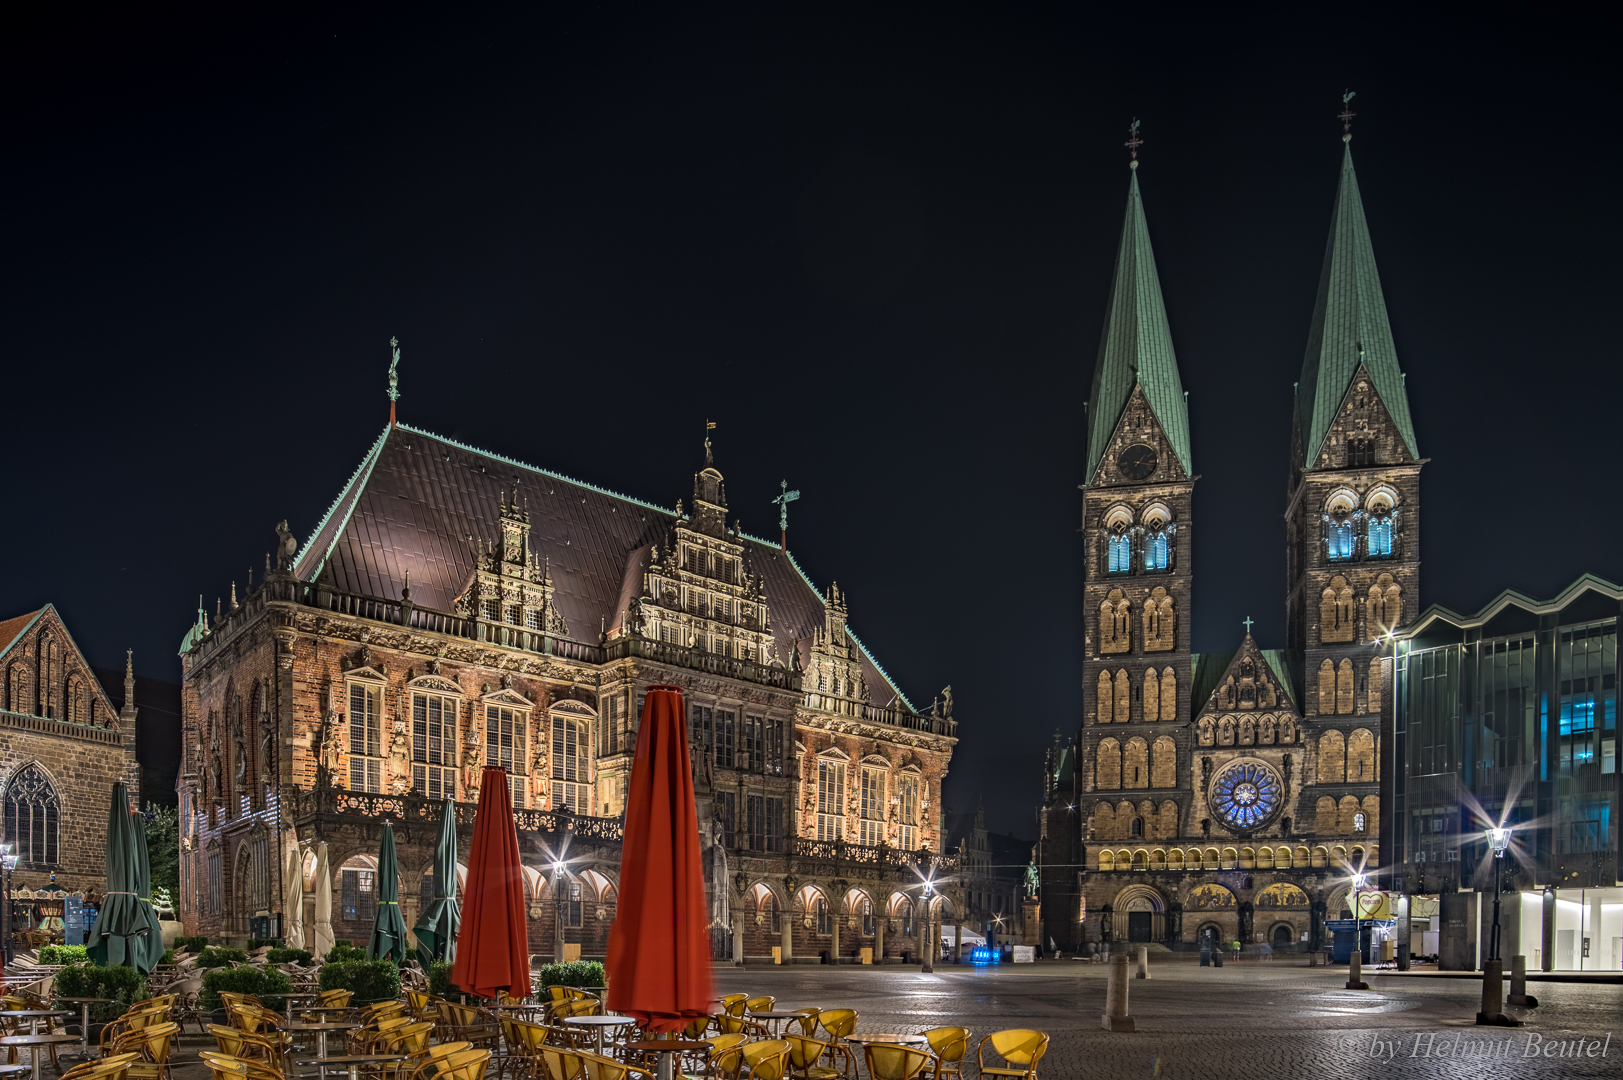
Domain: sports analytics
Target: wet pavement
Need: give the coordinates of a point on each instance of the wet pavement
(1241, 1020)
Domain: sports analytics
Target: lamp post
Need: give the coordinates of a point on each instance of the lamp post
(1499, 840)
(8, 859)
(558, 882)
(1355, 966)
(1493, 969)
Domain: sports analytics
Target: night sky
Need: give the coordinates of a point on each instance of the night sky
(874, 244)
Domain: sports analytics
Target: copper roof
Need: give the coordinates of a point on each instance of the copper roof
(419, 501)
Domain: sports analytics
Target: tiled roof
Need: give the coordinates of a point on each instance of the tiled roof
(418, 501)
(12, 629)
(1349, 327)
(1206, 671)
(1136, 346)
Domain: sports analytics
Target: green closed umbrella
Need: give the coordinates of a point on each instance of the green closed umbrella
(389, 929)
(115, 938)
(437, 926)
(152, 940)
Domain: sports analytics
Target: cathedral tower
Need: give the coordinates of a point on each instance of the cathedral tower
(1353, 522)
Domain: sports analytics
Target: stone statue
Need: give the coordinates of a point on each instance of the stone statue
(1031, 879)
(286, 546)
(946, 703)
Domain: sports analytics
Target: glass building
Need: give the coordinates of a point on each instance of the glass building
(1509, 717)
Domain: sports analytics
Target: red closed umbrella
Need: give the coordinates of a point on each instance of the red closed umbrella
(492, 948)
(659, 950)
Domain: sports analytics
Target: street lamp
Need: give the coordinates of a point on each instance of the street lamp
(558, 911)
(8, 859)
(1499, 840)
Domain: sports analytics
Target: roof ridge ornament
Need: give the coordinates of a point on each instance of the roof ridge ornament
(1346, 115)
(394, 377)
(783, 501)
(1133, 143)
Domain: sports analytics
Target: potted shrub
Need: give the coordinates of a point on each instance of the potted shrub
(242, 980)
(368, 980)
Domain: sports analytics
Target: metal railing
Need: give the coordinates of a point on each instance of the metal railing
(340, 802)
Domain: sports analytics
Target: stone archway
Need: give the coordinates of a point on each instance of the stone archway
(1140, 915)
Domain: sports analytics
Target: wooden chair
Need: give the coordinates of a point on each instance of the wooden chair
(740, 1025)
(467, 1023)
(252, 1068)
(1020, 1049)
(95, 1066)
(421, 1004)
(733, 1004)
(767, 1059)
(948, 1045)
(806, 1055)
(807, 1022)
(153, 1043)
(726, 1056)
(887, 1061)
(422, 1065)
(763, 1003)
(560, 1063)
(462, 1065)
(598, 1067)
(838, 1025)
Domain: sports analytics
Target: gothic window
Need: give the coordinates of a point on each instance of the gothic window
(909, 795)
(17, 683)
(1338, 539)
(33, 817)
(1348, 813)
(1164, 763)
(1327, 688)
(1358, 822)
(1169, 694)
(1378, 539)
(1332, 758)
(1159, 625)
(570, 764)
(1336, 621)
(830, 799)
(1124, 703)
(1106, 698)
(1136, 831)
(1136, 764)
(1157, 551)
(1344, 687)
(1107, 761)
(433, 746)
(1120, 558)
(1115, 630)
(1360, 453)
(871, 825)
(1374, 685)
(1385, 605)
(365, 737)
(1152, 694)
(1361, 757)
(825, 925)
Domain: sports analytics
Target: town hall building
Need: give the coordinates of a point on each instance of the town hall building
(1230, 797)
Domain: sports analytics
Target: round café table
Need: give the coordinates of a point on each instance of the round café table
(777, 1016)
(38, 1042)
(321, 1030)
(291, 996)
(665, 1048)
(84, 1020)
(599, 1022)
(352, 1061)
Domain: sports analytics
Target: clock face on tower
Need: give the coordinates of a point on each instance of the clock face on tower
(1137, 462)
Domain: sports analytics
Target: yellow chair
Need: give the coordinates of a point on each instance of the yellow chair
(463, 1065)
(806, 1055)
(236, 1043)
(808, 1022)
(1020, 1048)
(839, 1024)
(767, 1059)
(524, 1043)
(733, 1004)
(558, 1063)
(887, 1061)
(422, 1005)
(763, 1003)
(95, 1066)
(422, 1065)
(948, 1045)
(467, 1023)
(726, 1055)
(153, 1044)
(225, 1067)
(253, 1070)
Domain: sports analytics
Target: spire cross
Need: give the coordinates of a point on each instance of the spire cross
(1133, 142)
(1346, 115)
(394, 377)
(783, 502)
(1247, 621)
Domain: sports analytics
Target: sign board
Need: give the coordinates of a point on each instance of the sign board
(1025, 954)
(74, 926)
(1374, 904)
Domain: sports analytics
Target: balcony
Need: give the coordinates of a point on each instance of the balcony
(362, 807)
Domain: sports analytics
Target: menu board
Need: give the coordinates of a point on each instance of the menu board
(73, 921)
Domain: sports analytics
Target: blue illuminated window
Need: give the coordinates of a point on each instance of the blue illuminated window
(1156, 552)
(1121, 553)
(1379, 543)
(1340, 539)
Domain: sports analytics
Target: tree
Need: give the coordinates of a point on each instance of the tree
(163, 846)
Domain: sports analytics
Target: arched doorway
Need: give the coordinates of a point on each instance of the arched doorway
(1283, 938)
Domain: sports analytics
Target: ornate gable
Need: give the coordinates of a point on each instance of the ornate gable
(1138, 451)
(1250, 705)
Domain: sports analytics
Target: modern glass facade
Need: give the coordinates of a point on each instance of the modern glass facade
(1510, 718)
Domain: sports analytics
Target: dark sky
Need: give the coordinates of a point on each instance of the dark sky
(874, 243)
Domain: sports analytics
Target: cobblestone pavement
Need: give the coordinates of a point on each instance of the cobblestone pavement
(1241, 1020)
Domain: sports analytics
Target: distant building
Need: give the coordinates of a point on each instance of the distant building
(992, 876)
(456, 609)
(1230, 797)
(1509, 716)
(63, 744)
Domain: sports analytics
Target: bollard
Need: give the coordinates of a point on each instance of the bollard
(1115, 1017)
(1493, 990)
(1518, 984)
(1355, 971)
(1143, 962)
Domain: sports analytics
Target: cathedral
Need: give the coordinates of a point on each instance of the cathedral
(456, 610)
(1230, 797)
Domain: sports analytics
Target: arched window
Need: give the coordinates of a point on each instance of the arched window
(570, 765)
(1338, 535)
(33, 817)
(1378, 543)
(1121, 552)
(1358, 822)
(1156, 552)
(1137, 829)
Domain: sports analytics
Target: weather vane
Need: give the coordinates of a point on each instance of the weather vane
(394, 377)
(1133, 142)
(783, 502)
(1346, 115)
(709, 426)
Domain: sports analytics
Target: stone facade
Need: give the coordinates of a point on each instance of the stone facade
(1224, 797)
(64, 745)
(315, 709)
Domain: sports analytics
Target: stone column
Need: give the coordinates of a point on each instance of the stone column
(1518, 984)
(834, 942)
(738, 938)
(1547, 957)
(1115, 1017)
(927, 946)
(879, 939)
(786, 928)
(958, 943)
(1355, 970)
(1493, 996)
(1143, 962)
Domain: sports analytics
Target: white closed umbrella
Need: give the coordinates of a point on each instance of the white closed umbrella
(293, 907)
(324, 938)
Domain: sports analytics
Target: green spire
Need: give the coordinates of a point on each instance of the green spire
(1136, 346)
(1349, 328)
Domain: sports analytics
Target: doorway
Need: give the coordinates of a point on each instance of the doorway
(1282, 938)
(1138, 926)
